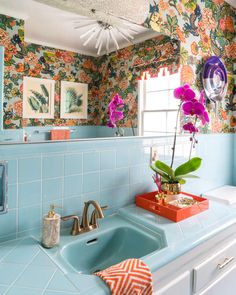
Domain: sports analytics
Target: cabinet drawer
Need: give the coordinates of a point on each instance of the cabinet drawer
(217, 263)
(182, 283)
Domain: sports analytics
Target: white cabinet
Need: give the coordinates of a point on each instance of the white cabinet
(208, 269)
(226, 284)
(214, 266)
(181, 283)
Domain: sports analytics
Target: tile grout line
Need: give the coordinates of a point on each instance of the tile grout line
(82, 182)
(13, 283)
(49, 281)
(11, 249)
(63, 188)
(17, 197)
(99, 177)
(41, 210)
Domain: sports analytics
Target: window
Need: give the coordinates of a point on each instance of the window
(157, 105)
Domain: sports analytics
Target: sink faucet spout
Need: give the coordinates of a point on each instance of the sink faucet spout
(85, 219)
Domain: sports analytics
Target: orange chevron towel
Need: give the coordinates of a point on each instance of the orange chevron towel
(129, 277)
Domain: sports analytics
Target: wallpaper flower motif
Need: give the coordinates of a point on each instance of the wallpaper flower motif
(205, 28)
(124, 69)
(22, 59)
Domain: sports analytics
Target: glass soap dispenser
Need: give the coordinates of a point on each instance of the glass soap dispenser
(51, 228)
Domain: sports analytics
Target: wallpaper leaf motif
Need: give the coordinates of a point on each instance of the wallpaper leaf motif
(205, 28)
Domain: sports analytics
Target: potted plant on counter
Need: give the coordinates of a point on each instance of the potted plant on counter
(169, 180)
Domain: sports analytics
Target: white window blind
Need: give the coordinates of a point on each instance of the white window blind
(157, 105)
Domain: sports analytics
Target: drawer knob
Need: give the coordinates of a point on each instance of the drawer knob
(226, 262)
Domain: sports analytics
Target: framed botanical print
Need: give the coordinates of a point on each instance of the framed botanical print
(74, 100)
(38, 98)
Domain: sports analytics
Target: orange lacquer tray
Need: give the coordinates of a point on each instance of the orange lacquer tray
(148, 201)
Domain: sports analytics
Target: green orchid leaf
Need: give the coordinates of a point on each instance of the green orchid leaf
(161, 173)
(164, 168)
(188, 167)
(182, 181)
(189, 176)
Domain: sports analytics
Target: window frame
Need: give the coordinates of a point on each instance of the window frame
(142, 110)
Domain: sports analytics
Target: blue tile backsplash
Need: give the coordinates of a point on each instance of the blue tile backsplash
(234, 167)
(110, 171)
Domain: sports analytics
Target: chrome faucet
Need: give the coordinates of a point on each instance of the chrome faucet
(86, 225)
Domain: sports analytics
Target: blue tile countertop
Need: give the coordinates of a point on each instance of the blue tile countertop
(28, 269)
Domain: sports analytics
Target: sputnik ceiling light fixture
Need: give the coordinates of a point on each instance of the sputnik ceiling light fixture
(106, 21)
(106, 33)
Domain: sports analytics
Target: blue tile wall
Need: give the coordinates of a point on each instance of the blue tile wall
(43, 133)
(234, 168)
(110, 171)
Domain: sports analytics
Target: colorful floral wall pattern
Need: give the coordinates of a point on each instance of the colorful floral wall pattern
(117, 72)
(106, 75)
(22, 59)
(205, 28)
(124, 68)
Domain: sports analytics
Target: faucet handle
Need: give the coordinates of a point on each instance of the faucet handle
(94, 217)
(104, 207)
(76, 223)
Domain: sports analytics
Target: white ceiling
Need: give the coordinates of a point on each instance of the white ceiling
(232, 2)
(46, 25)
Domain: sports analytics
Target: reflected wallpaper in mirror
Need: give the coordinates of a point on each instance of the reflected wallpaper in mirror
(117, 72)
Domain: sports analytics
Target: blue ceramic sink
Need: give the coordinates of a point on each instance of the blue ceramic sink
(117, 239)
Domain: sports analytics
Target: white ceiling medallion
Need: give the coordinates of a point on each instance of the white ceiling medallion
(105, 21)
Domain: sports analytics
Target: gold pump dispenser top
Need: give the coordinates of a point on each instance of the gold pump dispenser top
(52, 212)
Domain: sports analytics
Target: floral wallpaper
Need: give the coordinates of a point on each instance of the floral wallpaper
(12, 38)
(205, 28)
(105, 75)
(22, 59)
(124, 68)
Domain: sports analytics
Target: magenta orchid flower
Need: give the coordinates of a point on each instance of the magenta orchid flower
(111, 124)
(115, 111)
(202, 99)
(184, 93)
(193, 107)
(190, 127)
(116, 116)
(204, 118)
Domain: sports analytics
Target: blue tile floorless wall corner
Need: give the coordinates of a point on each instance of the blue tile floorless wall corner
(110, 171)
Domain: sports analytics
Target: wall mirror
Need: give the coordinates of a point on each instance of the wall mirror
(62, 63)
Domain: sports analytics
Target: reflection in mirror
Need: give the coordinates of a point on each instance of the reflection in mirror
(100, 56)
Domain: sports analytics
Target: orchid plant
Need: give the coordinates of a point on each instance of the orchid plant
(115, 113)
(194, 111)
